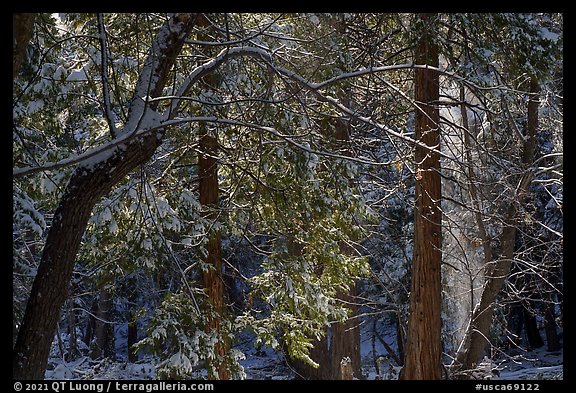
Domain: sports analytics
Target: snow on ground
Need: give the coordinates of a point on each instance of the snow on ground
(88, 369)
(263, 362)
(266, 363)
(535, 364)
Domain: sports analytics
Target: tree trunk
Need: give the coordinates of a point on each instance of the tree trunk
(319, 353)
(345, 340)
(343, 343)
(22, 29)
(90, 324)
(85, 188)
(532, 332)
(552, 338)
(478, 332)
(400, 338)
(212, 278)
(424, 343)
(132, 333)
(479, 329)
(104, 330)
(132, 339)
(73, 351)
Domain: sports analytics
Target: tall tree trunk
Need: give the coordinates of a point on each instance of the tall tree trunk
(85, 188)
(345, 339)
(424, 344)
(22, 29)
(212, 278)
(345, 336)
(90, 324)
(478, 332)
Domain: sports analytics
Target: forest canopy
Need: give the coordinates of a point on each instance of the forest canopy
(184, 182)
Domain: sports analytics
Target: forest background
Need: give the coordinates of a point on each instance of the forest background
(183, 181)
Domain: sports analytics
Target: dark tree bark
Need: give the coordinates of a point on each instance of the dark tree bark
(400, 338)
(476, 340)
(90, 324)
(132, 339)
(104, 330)
(55, 270)
(212, 278)
(424, 344)
(132, 336)
(85, 188)
(534, 338)
(22, 29)
(552, 339)
(73, 351)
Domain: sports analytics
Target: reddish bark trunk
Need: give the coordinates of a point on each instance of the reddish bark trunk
(212, 278)
(424, 344)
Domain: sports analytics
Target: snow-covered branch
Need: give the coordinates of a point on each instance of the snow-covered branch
(315, 88)
(97, 153)
(144, 119)
(166, 45)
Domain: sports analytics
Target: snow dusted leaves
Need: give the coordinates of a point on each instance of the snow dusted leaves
(26, 216)
(140, 221)
(176, 334)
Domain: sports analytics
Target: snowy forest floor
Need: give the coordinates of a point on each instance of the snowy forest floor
(266, 363)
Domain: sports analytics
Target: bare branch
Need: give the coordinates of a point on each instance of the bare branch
(104, 71)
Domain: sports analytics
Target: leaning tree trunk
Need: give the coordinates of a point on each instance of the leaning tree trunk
(85, 188)
(478, 332)
(424, 344)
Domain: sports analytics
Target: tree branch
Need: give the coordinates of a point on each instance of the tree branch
(104, 71)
